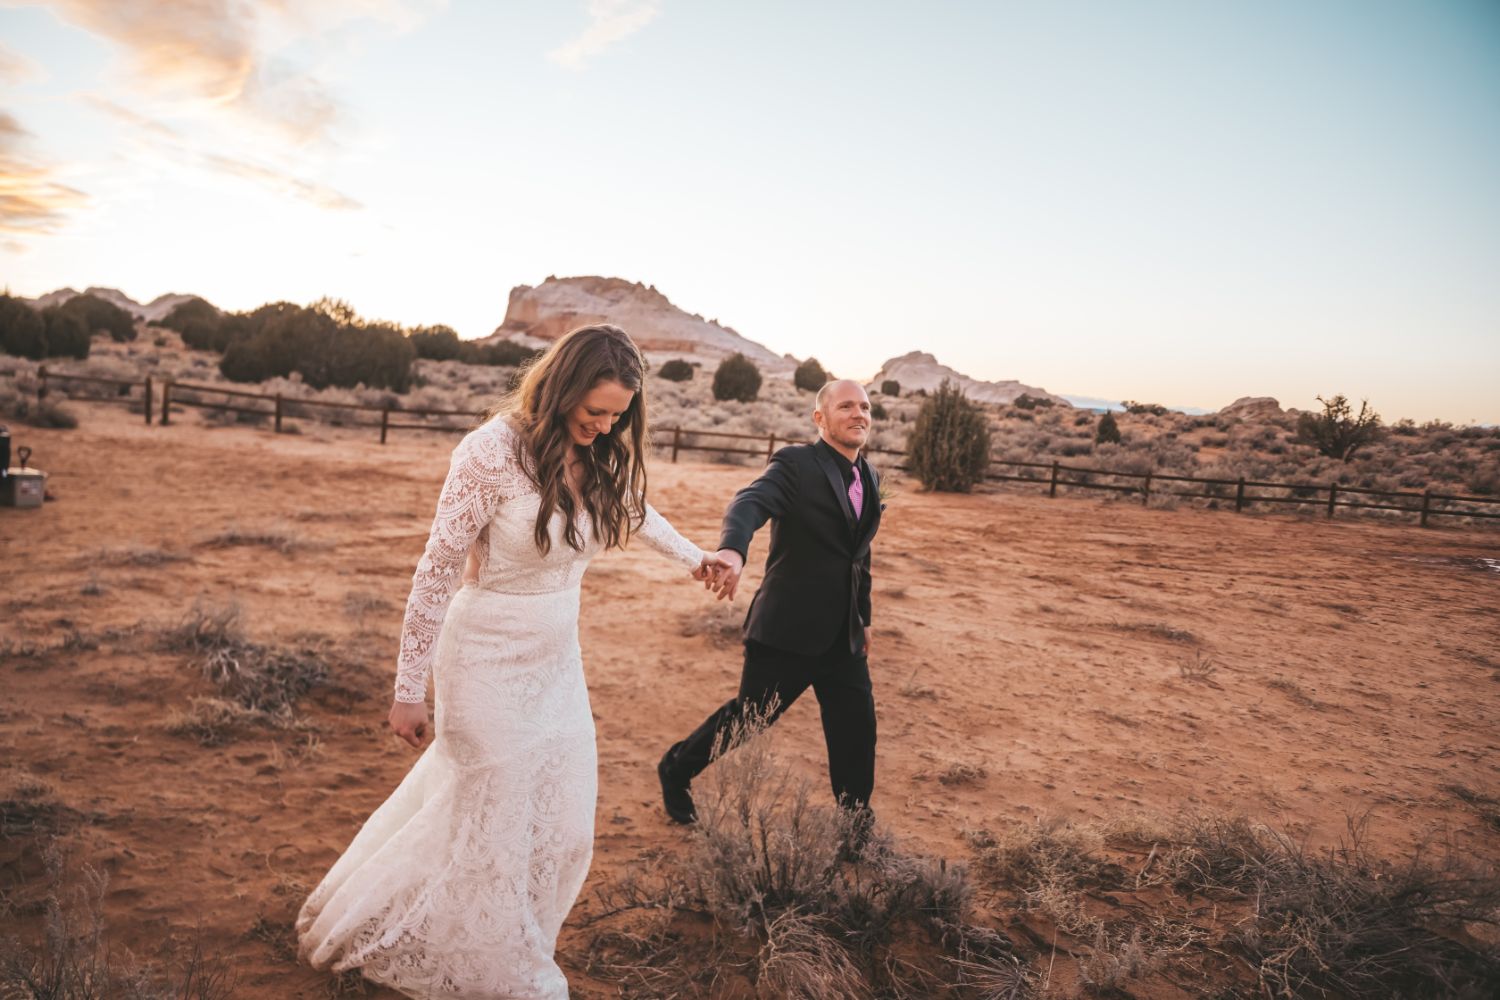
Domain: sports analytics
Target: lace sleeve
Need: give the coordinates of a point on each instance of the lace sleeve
(482, 475)
(661, 536)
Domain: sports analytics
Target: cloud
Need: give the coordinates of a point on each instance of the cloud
(31, 200)
(163, 139)
(16, 68)
(283, 183)
(610, 21)
(132, 118)
(222, 53)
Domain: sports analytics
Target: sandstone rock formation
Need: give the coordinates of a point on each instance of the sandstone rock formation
(155, 309)
(1252, 408)
(536, 316)
(920, 370)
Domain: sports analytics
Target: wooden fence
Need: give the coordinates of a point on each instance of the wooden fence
(1049, 475)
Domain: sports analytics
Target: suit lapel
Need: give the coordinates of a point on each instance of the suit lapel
(836, 482)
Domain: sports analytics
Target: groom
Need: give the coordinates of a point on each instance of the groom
(809, 623)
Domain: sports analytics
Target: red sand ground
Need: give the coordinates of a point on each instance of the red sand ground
(1355, 669)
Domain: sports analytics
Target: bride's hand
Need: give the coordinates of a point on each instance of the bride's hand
(709, 569)
(409, 721)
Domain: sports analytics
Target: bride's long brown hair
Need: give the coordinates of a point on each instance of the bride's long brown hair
(613, 488)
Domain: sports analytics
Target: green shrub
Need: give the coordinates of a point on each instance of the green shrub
(949, 447)
(737, 378)
(1156, 409)
(890, 387)
(1338, 432)
(1108, 432)
(676, 370)
(436, 343)
(878, 412)
(23, 332)
(326, 343)
(1028, 402)
(67, 336)
(96, 314)
(503, 353)
(200, 325)
(809, 375)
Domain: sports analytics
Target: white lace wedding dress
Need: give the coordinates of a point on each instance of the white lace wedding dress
(457, 885)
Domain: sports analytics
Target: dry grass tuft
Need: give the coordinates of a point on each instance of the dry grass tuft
(961, 773)
(280, 540)
(916, 691)
(1200, 669)
(256, 684)
(1157, 630)
(75, 961)
(771, 867)
(1294, 691)
(1487, 806)
(137, 555)
(1342, 922)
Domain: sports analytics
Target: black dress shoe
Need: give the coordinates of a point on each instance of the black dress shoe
(675, 795)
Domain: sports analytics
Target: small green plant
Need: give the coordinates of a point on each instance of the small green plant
(890, 387)
(949, 447)
(676, 370)
(809, 376)
(1108, 432)
(736, 378)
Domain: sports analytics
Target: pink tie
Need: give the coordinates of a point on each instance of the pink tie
(857, 493)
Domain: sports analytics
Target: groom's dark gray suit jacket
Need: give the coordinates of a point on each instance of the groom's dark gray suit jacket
(817, 578)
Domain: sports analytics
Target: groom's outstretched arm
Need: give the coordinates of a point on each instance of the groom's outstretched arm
(771, 495)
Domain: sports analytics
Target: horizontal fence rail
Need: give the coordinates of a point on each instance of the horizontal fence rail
(1050, 476)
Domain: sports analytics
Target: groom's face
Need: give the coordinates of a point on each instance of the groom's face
(844, 415)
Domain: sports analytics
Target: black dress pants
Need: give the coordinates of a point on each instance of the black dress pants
(841, 681)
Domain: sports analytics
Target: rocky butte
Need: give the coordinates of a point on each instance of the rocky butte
(920, 370)
(536, 316)
(155, 309)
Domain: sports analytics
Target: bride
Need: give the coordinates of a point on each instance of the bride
(457, 885)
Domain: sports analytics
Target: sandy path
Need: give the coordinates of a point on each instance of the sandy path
(1354, 668)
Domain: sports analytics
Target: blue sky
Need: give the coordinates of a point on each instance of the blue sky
(1184, 202)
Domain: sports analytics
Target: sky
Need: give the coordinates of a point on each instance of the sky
(1178, 202)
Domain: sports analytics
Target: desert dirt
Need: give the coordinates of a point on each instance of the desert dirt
(1344, 668)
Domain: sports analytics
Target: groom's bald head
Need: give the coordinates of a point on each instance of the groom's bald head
(842, 413)
(838, 386)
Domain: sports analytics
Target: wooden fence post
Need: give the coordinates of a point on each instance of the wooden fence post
(676, 441)
(385, 422)
(1146, 492)
(166, 402)
(41, 390)
(1239, 496)
(1053, 491)
(1333, 491)
(148, 401)
(770, 449)
(1426, 505)
(278, 413)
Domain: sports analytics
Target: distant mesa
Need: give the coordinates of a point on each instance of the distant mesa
(1252, 408)
(157, 308)
(920, 370)
(536, 316)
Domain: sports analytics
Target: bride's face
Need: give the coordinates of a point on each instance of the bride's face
(597, 412)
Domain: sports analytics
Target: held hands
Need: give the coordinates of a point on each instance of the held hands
(409, 721)
(720, 573)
